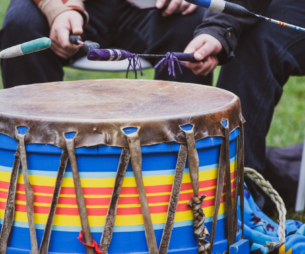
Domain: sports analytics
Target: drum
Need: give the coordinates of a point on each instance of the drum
(119, 166)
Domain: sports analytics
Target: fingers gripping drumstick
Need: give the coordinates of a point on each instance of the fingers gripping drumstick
(86, 45)
(26, 48)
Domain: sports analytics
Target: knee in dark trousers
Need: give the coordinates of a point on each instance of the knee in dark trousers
(24, 22)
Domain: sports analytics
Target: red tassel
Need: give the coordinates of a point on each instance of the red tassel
(94, 243)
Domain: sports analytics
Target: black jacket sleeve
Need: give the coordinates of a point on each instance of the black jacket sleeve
(228, 29)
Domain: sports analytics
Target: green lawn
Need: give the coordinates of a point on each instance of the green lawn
(288, 123)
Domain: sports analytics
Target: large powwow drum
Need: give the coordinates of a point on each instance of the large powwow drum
(119, 166)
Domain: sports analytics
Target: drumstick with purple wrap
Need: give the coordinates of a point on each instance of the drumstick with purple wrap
(168, 59)
(238, 11)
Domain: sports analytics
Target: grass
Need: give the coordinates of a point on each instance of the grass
(288, 122)
(73, 74)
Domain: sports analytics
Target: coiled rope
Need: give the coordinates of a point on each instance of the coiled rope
(275, 197)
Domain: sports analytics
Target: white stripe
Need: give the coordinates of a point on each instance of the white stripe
(132, 228)
(111, 55)
(103, 175)
(11, 52)
(119, 55)
(217, 5)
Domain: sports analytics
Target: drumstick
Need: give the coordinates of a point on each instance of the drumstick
(168, 60)
(119, 55)
(26, 48)
(239, 11)
(86, 45)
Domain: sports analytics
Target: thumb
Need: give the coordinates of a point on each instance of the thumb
(204, 51)
(193, 46)
(160, 4)
(77, 25)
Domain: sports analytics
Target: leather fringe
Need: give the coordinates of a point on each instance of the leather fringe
(219, 190)
(241, 172)
(136, 161)
(196, 202)
(231, 237)
(111, 214)
(9, 214)
(173, 202)
(79, 196)
(44, 246)
(29, 195)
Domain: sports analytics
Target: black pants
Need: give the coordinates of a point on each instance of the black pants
(266, 56)
(113, 23)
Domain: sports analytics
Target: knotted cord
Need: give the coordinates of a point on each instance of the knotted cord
(200, 229)
(169, 60)
(94, 244)
(134, 61)
(275, 197)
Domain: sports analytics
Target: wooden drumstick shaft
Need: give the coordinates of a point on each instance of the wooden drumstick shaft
(26, 48)
(181, 56)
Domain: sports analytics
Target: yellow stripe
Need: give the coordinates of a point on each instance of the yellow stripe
(121, 220)
(109, 196)
(108, 182)
(18, 202)
(282, 250)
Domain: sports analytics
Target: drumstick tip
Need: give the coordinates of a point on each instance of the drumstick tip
(26, 48)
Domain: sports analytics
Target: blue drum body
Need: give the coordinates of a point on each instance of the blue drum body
(97, 166)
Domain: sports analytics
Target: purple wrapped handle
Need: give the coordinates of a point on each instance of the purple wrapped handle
(185, 57)
(116, 55)
(108, 55)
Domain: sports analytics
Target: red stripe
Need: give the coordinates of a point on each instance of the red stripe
(76, 7)
(120, 211)
(105, 201)
(3, 194)
(4, 185)
(108, 190)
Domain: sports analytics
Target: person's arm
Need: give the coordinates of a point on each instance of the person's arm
(64, 17)
(217, 36)
(226, 28)
(176, 6)
(52, 8)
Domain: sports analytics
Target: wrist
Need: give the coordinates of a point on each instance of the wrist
(225, 36)
(53, 8)
(65, 18)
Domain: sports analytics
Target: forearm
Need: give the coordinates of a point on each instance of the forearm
(52, 8)
(228, 29)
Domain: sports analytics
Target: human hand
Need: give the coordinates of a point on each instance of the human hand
(176, 6)
(205, 47)
(63, 25)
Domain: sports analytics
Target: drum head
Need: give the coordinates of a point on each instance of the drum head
(98, 110)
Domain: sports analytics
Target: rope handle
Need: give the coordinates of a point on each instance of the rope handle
(275, 197)
(93, 245)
